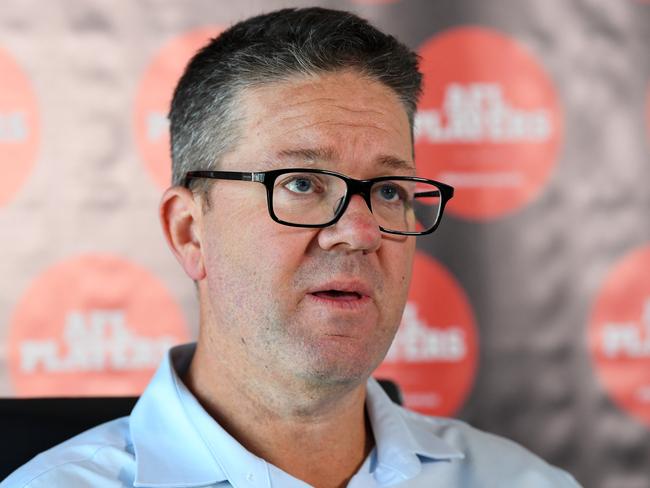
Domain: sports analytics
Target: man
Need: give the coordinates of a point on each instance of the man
(294, 209)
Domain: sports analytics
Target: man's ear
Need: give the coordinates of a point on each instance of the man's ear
(180, 217)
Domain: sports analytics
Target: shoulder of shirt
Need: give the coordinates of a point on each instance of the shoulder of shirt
(489, 456)
(86, 459)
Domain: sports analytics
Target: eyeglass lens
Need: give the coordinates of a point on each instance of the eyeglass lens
(315, 199)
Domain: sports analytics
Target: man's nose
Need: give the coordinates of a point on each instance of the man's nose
(356, 230)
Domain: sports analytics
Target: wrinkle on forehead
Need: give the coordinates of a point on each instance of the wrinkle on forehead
(333, 123)
(334, 104)
(309, 155)
(297, 110)
(360, 111)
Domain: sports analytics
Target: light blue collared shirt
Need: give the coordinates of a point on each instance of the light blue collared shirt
(169, 440)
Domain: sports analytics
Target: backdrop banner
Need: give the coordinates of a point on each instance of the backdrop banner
(529, 311)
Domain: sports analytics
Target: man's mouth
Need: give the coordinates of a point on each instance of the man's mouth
(345, 294)
(338, 295)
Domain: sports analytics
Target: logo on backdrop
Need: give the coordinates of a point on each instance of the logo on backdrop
(92, 325)
(434, 355)
(18, 127)
(154, 98)
(489, 122)
(619, 334)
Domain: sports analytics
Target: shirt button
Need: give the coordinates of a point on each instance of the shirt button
(250, 477)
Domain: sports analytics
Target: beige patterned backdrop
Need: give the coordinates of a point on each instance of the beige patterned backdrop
(529, 314)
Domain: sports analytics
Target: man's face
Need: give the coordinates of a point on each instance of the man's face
(317, 305)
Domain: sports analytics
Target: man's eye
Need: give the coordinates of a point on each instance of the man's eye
(301, 185)
(390, 193)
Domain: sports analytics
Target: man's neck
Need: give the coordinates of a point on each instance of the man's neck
(321, 438)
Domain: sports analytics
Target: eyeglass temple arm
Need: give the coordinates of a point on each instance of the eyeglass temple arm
(225, 175)
(432, 193)
(446, 192)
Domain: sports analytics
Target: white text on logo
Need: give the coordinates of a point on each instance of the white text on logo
(628, 339)
(478, 112)
(13, 127)
(97, 342)
(157, 126)
(416, 341)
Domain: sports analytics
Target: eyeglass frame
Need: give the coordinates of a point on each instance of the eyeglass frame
(353, 187)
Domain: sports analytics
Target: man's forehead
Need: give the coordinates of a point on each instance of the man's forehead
(328, 88)
(326, 154)
(336, 117)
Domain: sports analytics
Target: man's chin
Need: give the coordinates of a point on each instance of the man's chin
(343, 371)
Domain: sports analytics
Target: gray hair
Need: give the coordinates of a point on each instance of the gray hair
(271, 48)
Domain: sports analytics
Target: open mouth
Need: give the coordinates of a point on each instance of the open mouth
(337, 295)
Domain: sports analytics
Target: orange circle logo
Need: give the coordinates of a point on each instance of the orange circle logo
(619, 334)
(489, 122)
(154, 99)
(18, 127)
(434, 355)
(93, 325)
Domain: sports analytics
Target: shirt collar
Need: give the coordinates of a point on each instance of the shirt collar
(403, 439)
(178, 444)
(168, 423)
(162, 430)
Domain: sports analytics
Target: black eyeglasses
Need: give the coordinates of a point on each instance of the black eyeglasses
(404, 205)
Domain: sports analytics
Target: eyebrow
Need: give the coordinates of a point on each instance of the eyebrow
(312, 155)
(309, 154)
